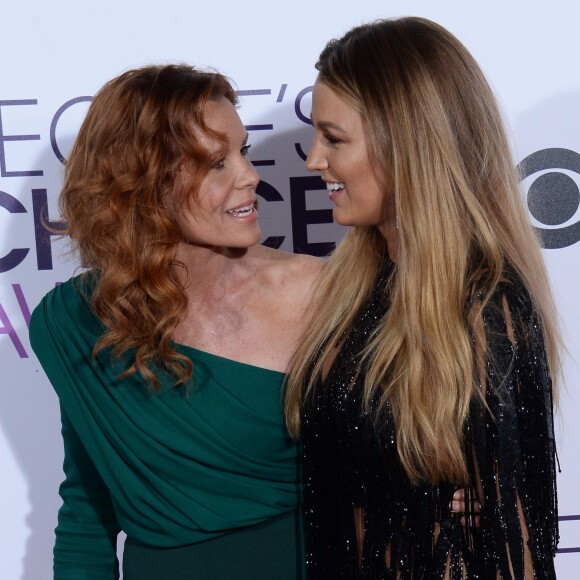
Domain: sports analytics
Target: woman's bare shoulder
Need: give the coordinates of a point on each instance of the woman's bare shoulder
(293, 273)
(289, 263)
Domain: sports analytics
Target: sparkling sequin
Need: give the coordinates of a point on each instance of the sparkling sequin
(409, 532)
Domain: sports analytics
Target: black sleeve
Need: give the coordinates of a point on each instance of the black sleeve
(510, 440)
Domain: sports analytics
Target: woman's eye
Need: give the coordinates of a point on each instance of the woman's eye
(245, 150)
(331, 139)
(220, 164)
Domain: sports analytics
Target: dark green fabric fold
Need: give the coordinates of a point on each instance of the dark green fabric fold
(181, 466)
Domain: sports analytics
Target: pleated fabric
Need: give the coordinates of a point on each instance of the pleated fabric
(173, 468)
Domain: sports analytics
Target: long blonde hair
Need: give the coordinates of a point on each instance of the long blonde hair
(436, 137)
(140, 128)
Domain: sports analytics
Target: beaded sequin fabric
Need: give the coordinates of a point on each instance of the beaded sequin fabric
(351, 467)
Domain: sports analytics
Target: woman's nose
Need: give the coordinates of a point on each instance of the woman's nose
(316, 160)
(251, 177)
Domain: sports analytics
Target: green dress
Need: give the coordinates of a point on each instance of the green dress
(204, 480)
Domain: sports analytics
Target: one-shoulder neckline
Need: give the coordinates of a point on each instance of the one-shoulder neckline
(205, 353)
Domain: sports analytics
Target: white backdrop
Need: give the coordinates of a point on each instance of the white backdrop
(55, 55)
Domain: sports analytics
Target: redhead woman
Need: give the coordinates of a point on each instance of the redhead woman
(168, 352)
(428, 362)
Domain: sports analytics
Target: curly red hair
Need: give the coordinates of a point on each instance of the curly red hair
(140, 128)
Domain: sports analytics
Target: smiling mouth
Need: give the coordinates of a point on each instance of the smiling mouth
(331, 187)
(242, 211)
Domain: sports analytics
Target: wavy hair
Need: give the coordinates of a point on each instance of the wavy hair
(436, 137)
(140, 128)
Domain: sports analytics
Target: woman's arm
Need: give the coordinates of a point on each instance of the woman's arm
(86, 534)
(512, 440)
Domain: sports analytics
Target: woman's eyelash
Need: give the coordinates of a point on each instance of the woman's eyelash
(332, 139)
(220, 164)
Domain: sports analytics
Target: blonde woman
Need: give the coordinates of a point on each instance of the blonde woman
(432, 341)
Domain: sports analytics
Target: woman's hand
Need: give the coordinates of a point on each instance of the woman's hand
(459, 506)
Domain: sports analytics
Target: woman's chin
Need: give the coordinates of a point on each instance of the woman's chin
(341, 217)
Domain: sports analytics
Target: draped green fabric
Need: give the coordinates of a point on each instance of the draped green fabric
(170, 469)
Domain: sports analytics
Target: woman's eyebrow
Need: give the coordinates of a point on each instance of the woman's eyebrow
(330, 125)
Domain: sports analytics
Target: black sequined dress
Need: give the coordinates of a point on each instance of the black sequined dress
(409, 532)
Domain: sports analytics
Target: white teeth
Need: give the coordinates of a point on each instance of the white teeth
(242, 211)
(335, 186)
